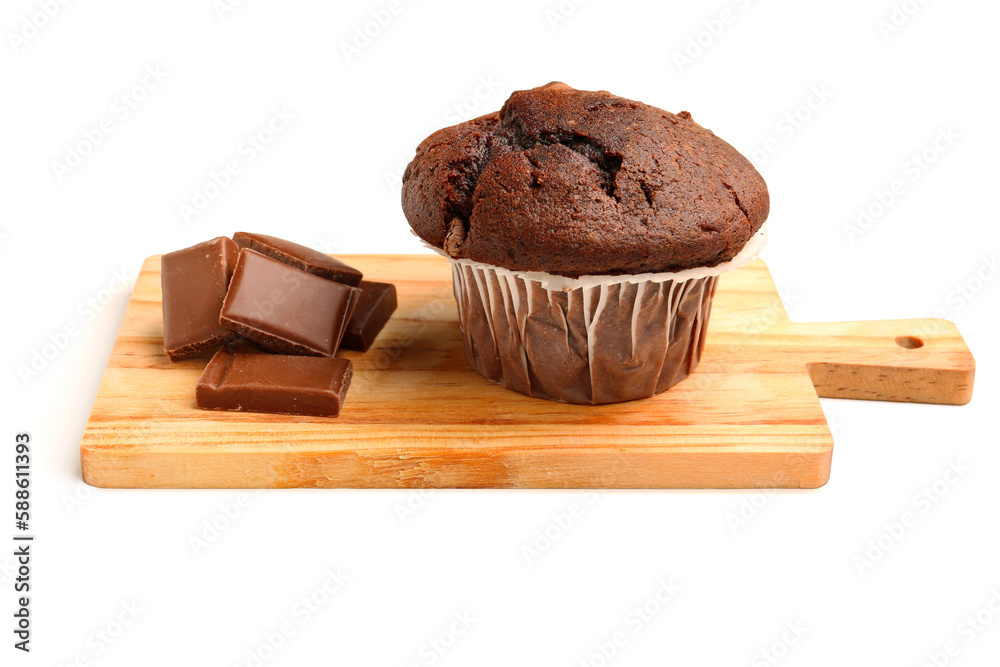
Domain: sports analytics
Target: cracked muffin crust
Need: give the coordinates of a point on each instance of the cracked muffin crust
(576, 182)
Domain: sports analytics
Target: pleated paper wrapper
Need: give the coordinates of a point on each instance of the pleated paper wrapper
(589, 340)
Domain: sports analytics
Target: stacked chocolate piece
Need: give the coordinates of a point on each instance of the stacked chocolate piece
(277, 313)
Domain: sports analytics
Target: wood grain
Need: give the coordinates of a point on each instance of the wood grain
(417, 416)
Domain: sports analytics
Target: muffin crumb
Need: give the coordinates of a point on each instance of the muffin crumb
(456, 236)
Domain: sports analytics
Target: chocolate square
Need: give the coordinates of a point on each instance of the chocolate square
(299, 256)
(285, 309)
(252, 381)
(375, 306)
(194, 282)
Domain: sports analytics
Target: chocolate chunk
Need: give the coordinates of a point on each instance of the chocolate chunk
(376, 304)
(256, 382)
(299, 256)
(286, 310)
(194, 282)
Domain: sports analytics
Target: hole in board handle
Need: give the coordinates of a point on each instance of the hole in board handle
(909, 342)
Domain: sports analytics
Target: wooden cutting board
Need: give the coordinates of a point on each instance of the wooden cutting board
(416, 414)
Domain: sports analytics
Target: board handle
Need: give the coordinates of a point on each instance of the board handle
(914, 361)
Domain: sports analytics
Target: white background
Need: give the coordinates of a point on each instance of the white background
(331, 178)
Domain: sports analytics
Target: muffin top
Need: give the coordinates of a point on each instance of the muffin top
(575, 182)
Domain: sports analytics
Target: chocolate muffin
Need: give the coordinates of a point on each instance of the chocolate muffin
(586, 233)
